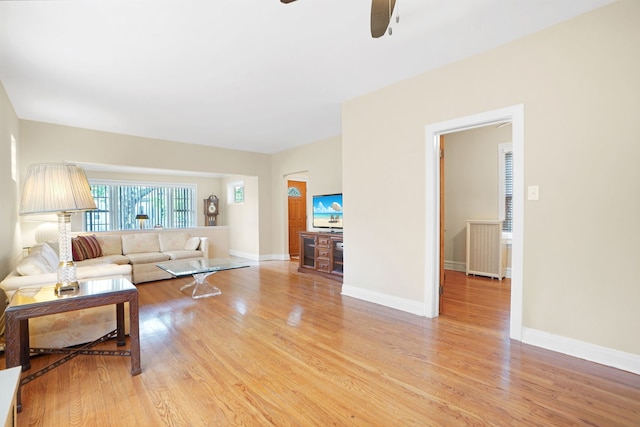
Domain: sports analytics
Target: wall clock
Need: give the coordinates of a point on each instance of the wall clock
(210, 210)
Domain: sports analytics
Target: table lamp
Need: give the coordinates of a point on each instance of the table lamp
(61, 189)
(141, 219)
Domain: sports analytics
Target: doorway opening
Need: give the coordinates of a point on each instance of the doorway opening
(475, 185)
(514, 115)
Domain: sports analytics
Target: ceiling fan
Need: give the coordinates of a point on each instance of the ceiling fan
(381, 11)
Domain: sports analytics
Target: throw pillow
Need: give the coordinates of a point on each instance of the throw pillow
(50, 255)
(76, 249)
(33, 264)
(91, 247)
(192, 244)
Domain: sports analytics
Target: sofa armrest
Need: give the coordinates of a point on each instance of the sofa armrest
(204, 246)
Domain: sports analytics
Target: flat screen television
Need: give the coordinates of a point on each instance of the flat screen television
(327, 211)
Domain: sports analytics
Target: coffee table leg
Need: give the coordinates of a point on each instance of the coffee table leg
(202, 288)
(134, 335)
(120, 340)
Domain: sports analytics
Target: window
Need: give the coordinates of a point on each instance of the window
(238, 193)
(118, 203)
(505, 159)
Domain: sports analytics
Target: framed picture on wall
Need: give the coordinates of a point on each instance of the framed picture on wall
(238, 193)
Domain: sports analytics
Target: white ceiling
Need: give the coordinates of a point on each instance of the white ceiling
(254, 75)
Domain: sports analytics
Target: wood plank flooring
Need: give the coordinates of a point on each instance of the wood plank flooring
(286, 349)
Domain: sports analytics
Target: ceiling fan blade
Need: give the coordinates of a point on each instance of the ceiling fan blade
(287, 1)
(381, 12)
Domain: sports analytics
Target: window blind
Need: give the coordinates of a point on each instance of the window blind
(507, 225)
(167, 206)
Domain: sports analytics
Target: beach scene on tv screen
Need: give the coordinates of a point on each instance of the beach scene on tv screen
(327, 211)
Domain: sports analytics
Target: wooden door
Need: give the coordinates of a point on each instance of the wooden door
(441, 221)
(297, 203)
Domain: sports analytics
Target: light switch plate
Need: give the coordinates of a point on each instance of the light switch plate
(533, 192)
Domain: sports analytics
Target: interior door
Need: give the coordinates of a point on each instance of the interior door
(297, 208)
(442, 229)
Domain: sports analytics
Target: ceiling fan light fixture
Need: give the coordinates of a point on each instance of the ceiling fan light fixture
(381, 14)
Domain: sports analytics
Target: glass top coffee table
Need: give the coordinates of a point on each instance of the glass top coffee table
(200, 269)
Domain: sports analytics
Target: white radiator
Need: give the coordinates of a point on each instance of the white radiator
(486, 250)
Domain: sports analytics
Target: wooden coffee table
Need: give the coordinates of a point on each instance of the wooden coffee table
(32, 302)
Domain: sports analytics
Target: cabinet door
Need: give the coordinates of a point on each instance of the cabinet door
(337, 262)
(308, 252)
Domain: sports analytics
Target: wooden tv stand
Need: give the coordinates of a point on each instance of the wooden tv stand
(321, 253)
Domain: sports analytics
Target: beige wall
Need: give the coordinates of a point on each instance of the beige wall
(579, 86)
(242, 218)
(10, 249)
(471, 183)
(42, 142)
(320, 165)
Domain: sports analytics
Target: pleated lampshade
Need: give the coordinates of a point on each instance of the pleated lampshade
(62, 189)
(56, 187)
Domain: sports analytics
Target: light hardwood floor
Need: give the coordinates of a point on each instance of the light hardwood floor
(283, 348)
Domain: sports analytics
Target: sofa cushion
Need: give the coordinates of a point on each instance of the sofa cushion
(146, 258)
(105, 259)
(172, 241)
(183, 254)
(148, 273)
(192, 244)
(140, 243)
(111, 244)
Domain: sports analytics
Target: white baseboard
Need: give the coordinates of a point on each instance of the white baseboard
(583, 350)
(455, 266)
(462, 267)
(254, 257)
(275, 257)
(403, 304)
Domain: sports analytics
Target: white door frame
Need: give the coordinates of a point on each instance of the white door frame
(515, 115)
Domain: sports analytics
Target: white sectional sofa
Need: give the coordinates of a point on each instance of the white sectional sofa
(130, 255)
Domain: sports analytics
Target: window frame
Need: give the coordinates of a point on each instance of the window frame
(504, 148)
(114, 222)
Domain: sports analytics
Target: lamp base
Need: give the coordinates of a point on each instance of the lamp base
(66, 287)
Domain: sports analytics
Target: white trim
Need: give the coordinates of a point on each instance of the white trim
(514, 114)
(254, 257)
(462, 267)
(410, 306)
(275, 257)
(583, 350)
(455, 266)
(247, 255)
